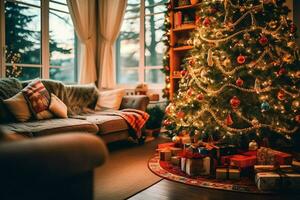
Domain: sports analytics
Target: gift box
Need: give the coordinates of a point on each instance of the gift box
(242, 161)
(165, 155)
(271, 168)
(175, 151)
(270, 181)
(203, 151)
(183, 163)
(206, 170)
(267, 156)
(193, 167)
(296, 165)
(175, 160)
(166, 145)
(228, 173)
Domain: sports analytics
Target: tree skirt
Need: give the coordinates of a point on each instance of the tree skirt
(168, 171)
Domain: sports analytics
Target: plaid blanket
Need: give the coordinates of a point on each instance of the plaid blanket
(135, 118)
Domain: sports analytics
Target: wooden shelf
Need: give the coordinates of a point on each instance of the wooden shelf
(183, 48)
(186, 7)
(184, 27)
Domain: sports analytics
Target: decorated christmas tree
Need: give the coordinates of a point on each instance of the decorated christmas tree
(242, 78)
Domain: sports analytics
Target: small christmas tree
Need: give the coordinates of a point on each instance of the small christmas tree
(242, 77)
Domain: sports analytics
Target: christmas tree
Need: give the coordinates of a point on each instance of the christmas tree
(242, 77)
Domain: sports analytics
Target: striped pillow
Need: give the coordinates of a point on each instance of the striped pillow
(38, 99)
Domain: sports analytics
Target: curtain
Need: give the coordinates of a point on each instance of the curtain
(111, 13)
(84, 18)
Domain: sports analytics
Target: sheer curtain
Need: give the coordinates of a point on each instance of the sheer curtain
(111, 13)
(84, 16)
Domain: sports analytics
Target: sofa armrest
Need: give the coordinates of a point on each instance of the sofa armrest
(50, 157)
(139, 102)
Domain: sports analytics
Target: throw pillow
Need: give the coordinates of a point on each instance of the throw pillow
(110, 99)
(17, 105)
(38, 99)
(57, 107)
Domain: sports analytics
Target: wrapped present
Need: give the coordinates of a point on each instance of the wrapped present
(194, 167)
(175, 151)
(175, 160)
(165, 155)
(183, 163)
(242, 161)
(166, 145)
(272, 168)
(296, 165)
(228, 173)
(267, 156)
(206, 169)
(270, 181)
(221, 173)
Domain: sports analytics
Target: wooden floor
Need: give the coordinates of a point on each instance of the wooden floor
(165, 189)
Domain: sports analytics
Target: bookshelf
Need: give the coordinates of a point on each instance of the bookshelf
(182, 19)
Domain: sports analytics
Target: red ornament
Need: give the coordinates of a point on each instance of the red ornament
(297, 119)
(200, 97)
(180, 115)
(206, 22)
(235, 102)
(198, 20)
(191, 62)
(190, 92)
(239, 82)
(228, 120)
(293, 28)
(167, 68)
(167, 122)
(281, 95)
(183, 72)
(281, 71)
(263, 40)
(241, 59)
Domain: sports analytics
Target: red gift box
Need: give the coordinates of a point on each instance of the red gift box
(166, 145)
(243, 161)
(283, 158)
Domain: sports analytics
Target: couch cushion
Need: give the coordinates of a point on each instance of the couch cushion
(107, 123)
(51, 126)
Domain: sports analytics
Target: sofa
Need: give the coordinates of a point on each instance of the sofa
(78, 99)
(55, 158)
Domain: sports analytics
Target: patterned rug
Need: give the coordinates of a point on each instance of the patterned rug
(173, 173)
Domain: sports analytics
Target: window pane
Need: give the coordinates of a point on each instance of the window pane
(128, 51)
(154, 47)
(58, 7)
(154, 2)
(155, 9)
(23, 33)
(62, 47)
(60, 1)
(132, 10)
(23, 73)
(33, 2)
(154, 76)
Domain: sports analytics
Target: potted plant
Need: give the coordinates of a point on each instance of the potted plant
(154, 122)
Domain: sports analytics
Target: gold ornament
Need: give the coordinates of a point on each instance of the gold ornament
(272, 24)
(288, 58)
(176, 139)
(227, 62)
(253, 146)
(219, 34)
(291, 44)
(295, 105)
(246, 36)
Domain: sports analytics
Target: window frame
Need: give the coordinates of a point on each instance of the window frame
(45, 47)
(141, 67)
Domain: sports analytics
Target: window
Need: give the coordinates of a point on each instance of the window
(139, 47)
(35, 45)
